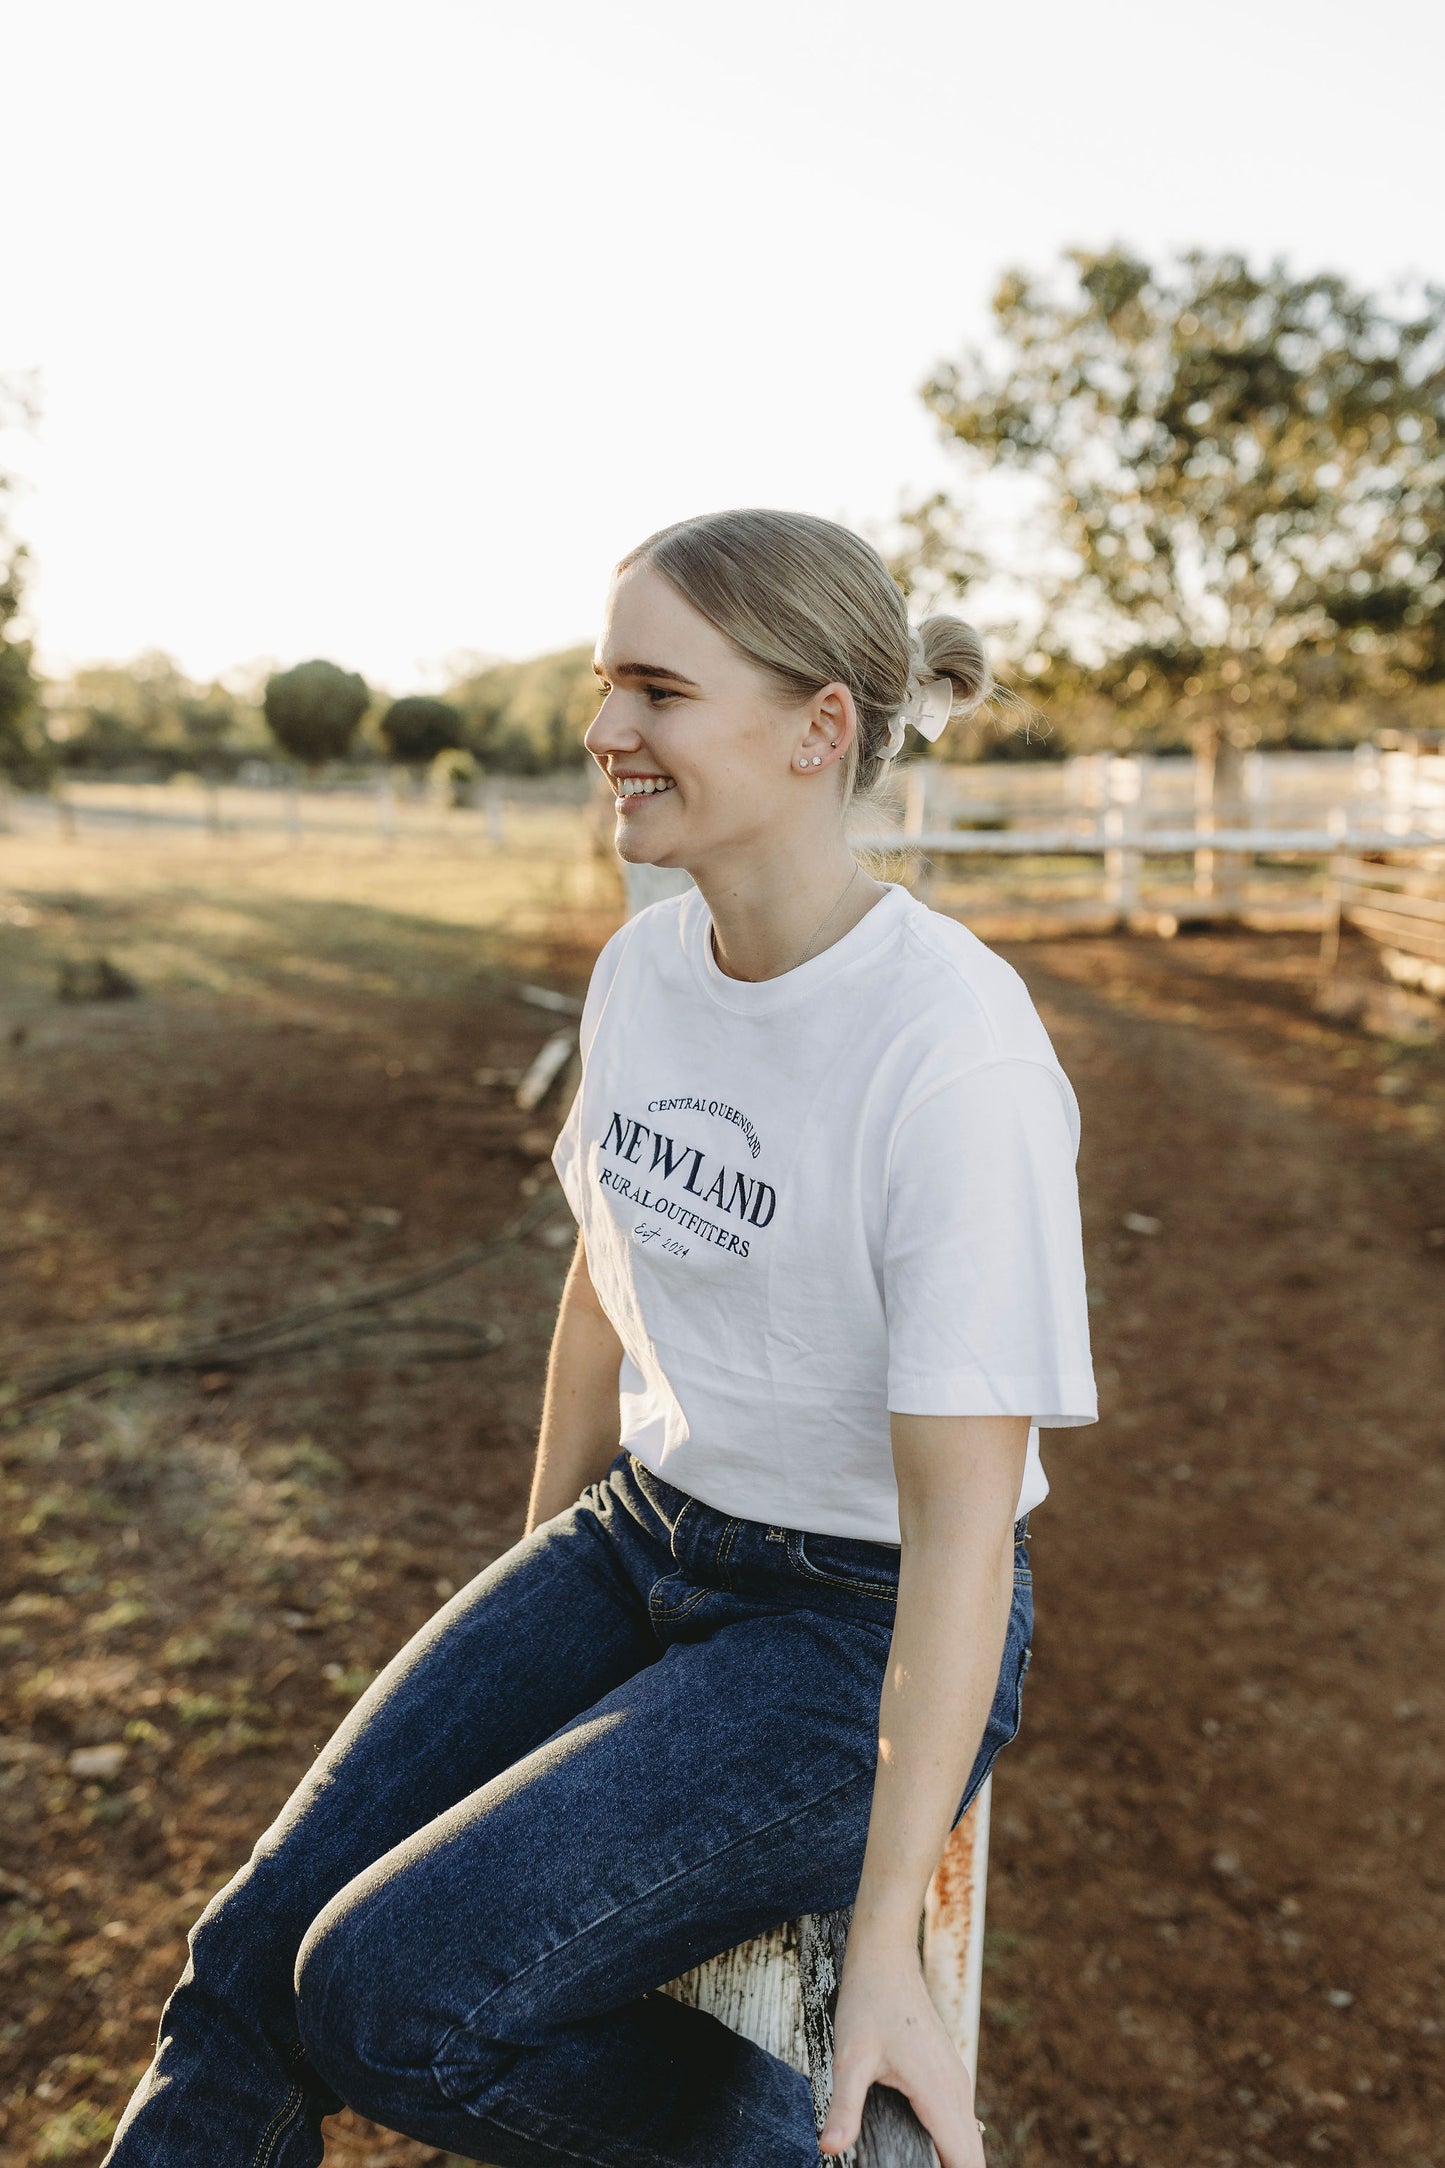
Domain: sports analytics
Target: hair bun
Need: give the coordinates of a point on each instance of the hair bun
(952, 648)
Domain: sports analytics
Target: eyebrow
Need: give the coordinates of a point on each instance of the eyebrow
(646, 670)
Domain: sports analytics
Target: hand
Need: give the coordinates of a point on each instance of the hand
(887, 2032)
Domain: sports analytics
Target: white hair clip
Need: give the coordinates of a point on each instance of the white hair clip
(928, 707)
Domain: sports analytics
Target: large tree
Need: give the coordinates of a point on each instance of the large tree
(1245, 470)
(314, 709)
(417, 727)
(528, 717)
(147, 716)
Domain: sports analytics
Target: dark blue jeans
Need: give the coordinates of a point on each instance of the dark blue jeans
(645, 1734)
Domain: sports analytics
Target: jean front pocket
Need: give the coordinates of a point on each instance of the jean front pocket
(673, 1598)
(855, 1569)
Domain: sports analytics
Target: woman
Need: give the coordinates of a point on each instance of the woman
(755, 1663)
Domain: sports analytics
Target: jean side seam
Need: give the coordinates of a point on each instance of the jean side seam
(751, 1836)
(271, 2135)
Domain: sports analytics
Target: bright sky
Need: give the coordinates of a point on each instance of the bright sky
(379, 331)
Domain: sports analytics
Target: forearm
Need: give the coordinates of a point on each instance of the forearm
(955, 1589)
(579, 1430)
(958, 1483)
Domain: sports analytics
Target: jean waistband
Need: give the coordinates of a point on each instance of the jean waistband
(693, 1525)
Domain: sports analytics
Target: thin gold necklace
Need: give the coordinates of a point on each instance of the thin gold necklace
(857, 869)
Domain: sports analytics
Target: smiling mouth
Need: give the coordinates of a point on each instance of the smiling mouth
(628, 787)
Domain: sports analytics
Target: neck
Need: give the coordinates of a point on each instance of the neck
(766, 911)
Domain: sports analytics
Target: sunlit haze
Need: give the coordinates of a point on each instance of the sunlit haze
(379, 332)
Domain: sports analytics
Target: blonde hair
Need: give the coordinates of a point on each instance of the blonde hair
(811, 603)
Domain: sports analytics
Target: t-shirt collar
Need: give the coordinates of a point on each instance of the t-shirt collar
(757, 997)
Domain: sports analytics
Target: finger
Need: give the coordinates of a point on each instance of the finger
(851, 2080)
(950, 2123)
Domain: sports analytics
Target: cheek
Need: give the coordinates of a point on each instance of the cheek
(737, 753)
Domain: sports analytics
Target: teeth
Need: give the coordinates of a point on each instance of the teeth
(642, 786)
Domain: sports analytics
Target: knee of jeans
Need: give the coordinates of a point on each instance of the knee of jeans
(244, 1941)
(369, 2016)
(351, 2003)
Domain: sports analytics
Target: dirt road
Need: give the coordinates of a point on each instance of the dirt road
(1218, 1878)
(1217, 1906)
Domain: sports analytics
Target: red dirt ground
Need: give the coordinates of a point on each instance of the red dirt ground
(1217, 1903)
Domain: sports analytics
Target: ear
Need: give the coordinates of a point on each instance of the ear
(831, 725)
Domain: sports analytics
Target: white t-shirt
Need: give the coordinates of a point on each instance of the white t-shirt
(811, 1199)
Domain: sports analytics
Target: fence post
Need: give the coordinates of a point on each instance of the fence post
(1125, 785)
(915, 811)
(1219, 803)
(1330, 933)
(386, 807)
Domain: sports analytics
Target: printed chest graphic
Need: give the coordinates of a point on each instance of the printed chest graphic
(683, 1191)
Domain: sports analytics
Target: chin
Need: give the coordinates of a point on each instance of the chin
(634, 852)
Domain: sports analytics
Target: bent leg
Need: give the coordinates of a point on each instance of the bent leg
(542, 1633)
(488, 1986)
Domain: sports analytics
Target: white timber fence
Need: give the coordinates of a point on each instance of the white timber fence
(1125, 810)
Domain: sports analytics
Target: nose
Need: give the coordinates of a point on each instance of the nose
(608, 733)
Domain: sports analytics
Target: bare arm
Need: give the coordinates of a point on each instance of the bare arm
(958, 1482)
(579, 1433)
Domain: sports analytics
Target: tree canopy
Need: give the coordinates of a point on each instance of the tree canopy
(417, 727)
(313, 710)
(528, 717)
(148, 716)
(1245, 471)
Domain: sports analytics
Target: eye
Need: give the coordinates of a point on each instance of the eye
(658, 693)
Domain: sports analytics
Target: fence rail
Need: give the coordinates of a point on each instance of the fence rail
(1258, 849)
(1144, 843)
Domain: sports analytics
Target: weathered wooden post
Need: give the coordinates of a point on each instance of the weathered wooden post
(780, 1990)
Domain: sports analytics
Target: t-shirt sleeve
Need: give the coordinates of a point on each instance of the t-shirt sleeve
(983, 1254)
(566, 1155)
(567, 1151)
